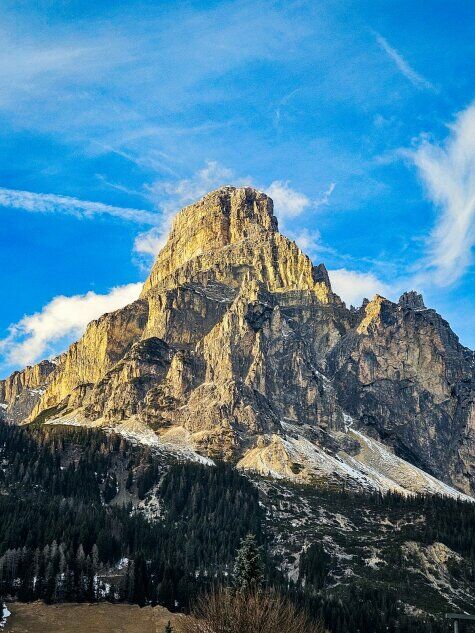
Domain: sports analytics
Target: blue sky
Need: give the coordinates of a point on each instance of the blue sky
(357, 117)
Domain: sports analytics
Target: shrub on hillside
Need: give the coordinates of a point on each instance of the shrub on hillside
(227, 611)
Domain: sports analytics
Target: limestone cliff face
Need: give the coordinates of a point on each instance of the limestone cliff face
(23, 389)
(238, 348)
(228, 234)
(29, 378)
(104, 343)
(404, 374)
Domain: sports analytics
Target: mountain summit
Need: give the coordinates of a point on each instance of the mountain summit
(227, 236)
(238, 349)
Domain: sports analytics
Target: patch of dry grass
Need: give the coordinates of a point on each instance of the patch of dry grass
(37, 617)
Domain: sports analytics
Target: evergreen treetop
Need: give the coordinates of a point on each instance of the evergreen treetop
(248, 572)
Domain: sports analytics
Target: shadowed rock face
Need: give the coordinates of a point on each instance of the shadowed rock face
(405, 376)
(20, 392)
(238, 348)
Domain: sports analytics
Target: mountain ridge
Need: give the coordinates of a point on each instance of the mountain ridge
(238, 349)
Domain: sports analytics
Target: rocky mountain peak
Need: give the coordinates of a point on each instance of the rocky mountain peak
(239, 349)
(224, 216)
(412, 300)
(221, 218)
(228, 234)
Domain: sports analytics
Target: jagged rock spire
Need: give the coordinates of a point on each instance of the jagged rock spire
(221, 218)
(229, 232)
(412, 300)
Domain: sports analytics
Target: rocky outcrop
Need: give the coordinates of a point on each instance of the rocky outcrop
(404, 376)
(29, 378)
(20, 392)
(238, 348)
(227, 235)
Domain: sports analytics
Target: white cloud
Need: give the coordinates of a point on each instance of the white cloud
(52, 203)
(448, 173)
(289, 203)
(61, 321)
(308, 241)
(189, 190)
(150, 242)
(282, 103)
(325, 198)
(414, 77)
(353, 286)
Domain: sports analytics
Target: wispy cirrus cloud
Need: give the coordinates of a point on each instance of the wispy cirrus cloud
(175, 194)
(281, 104)
(403, 65)
(58, 323)
(53, 203)
(447, 171)
(110, 80)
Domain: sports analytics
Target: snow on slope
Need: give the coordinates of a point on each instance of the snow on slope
(375, 458)
(135, 431)
(177, 443)
(292, 456)
(4, 613)
(373, 468)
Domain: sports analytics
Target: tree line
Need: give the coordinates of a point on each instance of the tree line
(63, 538)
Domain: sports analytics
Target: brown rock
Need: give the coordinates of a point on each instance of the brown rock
(239, 348)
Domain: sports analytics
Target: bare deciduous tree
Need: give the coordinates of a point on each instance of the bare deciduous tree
(226, 611)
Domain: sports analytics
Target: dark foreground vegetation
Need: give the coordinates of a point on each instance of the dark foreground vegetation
(64, 536)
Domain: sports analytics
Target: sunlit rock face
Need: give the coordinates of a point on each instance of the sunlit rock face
(227, 236)
(20, 392)
(239, 349)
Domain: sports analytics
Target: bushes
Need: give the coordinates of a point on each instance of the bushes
(225, 611)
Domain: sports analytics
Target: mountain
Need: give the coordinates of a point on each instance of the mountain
(238, 349)
(239, 394)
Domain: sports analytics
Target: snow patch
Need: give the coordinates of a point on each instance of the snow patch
(376, 460)
(122, 564)
(373, 468)
(37, 392)
(70, 420)
(5, 615)
(136, 432)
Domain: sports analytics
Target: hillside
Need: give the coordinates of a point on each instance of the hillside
(86, 516)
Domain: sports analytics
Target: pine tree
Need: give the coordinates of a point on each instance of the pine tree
(168, 628)
(3, 605)
(248, 565)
